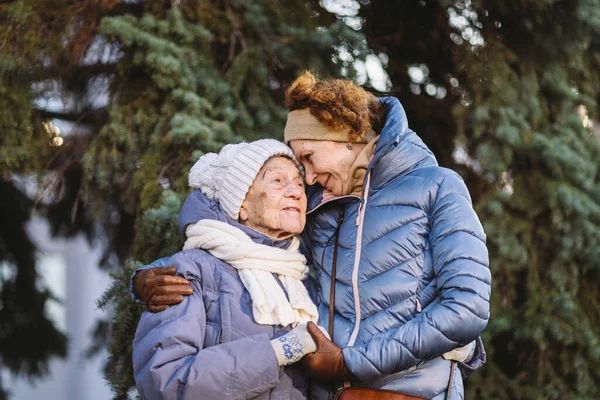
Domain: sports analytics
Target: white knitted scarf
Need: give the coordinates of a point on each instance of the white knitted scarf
(256, 263)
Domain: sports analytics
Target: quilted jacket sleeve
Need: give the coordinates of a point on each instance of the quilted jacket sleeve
(462, 310)
(170, 361)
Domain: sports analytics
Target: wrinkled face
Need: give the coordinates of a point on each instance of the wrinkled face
(276, 203)
(327, 162)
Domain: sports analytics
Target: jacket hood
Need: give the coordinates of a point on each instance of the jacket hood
(198, 207)
(399, 150)
(396, 123)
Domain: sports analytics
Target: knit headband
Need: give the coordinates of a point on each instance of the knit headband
(302, 125)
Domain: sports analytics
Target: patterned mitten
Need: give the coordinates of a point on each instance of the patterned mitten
(294, 345)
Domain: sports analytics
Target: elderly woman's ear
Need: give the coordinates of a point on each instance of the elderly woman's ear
(243, 214)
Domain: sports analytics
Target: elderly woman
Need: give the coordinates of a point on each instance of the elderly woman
(399, 251)
(247, 315)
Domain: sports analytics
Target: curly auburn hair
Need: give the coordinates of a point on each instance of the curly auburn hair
(337, 103)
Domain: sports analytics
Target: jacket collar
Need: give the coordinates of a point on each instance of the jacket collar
(198, 207)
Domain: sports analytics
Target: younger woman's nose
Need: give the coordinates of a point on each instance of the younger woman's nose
(311, 177)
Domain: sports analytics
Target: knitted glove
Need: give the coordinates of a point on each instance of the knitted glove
(461, 354)
(294, 345)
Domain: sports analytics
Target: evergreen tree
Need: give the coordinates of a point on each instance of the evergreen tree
(519, 81)
(503, 92)
(180, 78)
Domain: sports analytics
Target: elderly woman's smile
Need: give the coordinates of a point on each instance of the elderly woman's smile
(276, 203)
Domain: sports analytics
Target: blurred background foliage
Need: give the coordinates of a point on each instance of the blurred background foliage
(506, 93)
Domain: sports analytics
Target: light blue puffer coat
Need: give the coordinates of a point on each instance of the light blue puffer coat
(412, 273)
(209, 346)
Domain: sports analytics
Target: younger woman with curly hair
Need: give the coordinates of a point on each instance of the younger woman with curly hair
(398, 237)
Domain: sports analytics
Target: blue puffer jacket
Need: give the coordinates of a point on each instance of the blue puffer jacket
(412, 269)
(209, 346)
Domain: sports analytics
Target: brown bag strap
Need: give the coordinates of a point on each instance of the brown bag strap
(333, 273)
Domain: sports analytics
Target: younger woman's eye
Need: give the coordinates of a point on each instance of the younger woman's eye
(307, 157)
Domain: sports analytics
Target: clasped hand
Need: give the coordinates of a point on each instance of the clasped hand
(327, 363)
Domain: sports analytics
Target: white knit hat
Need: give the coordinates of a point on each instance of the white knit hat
(226, 177)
